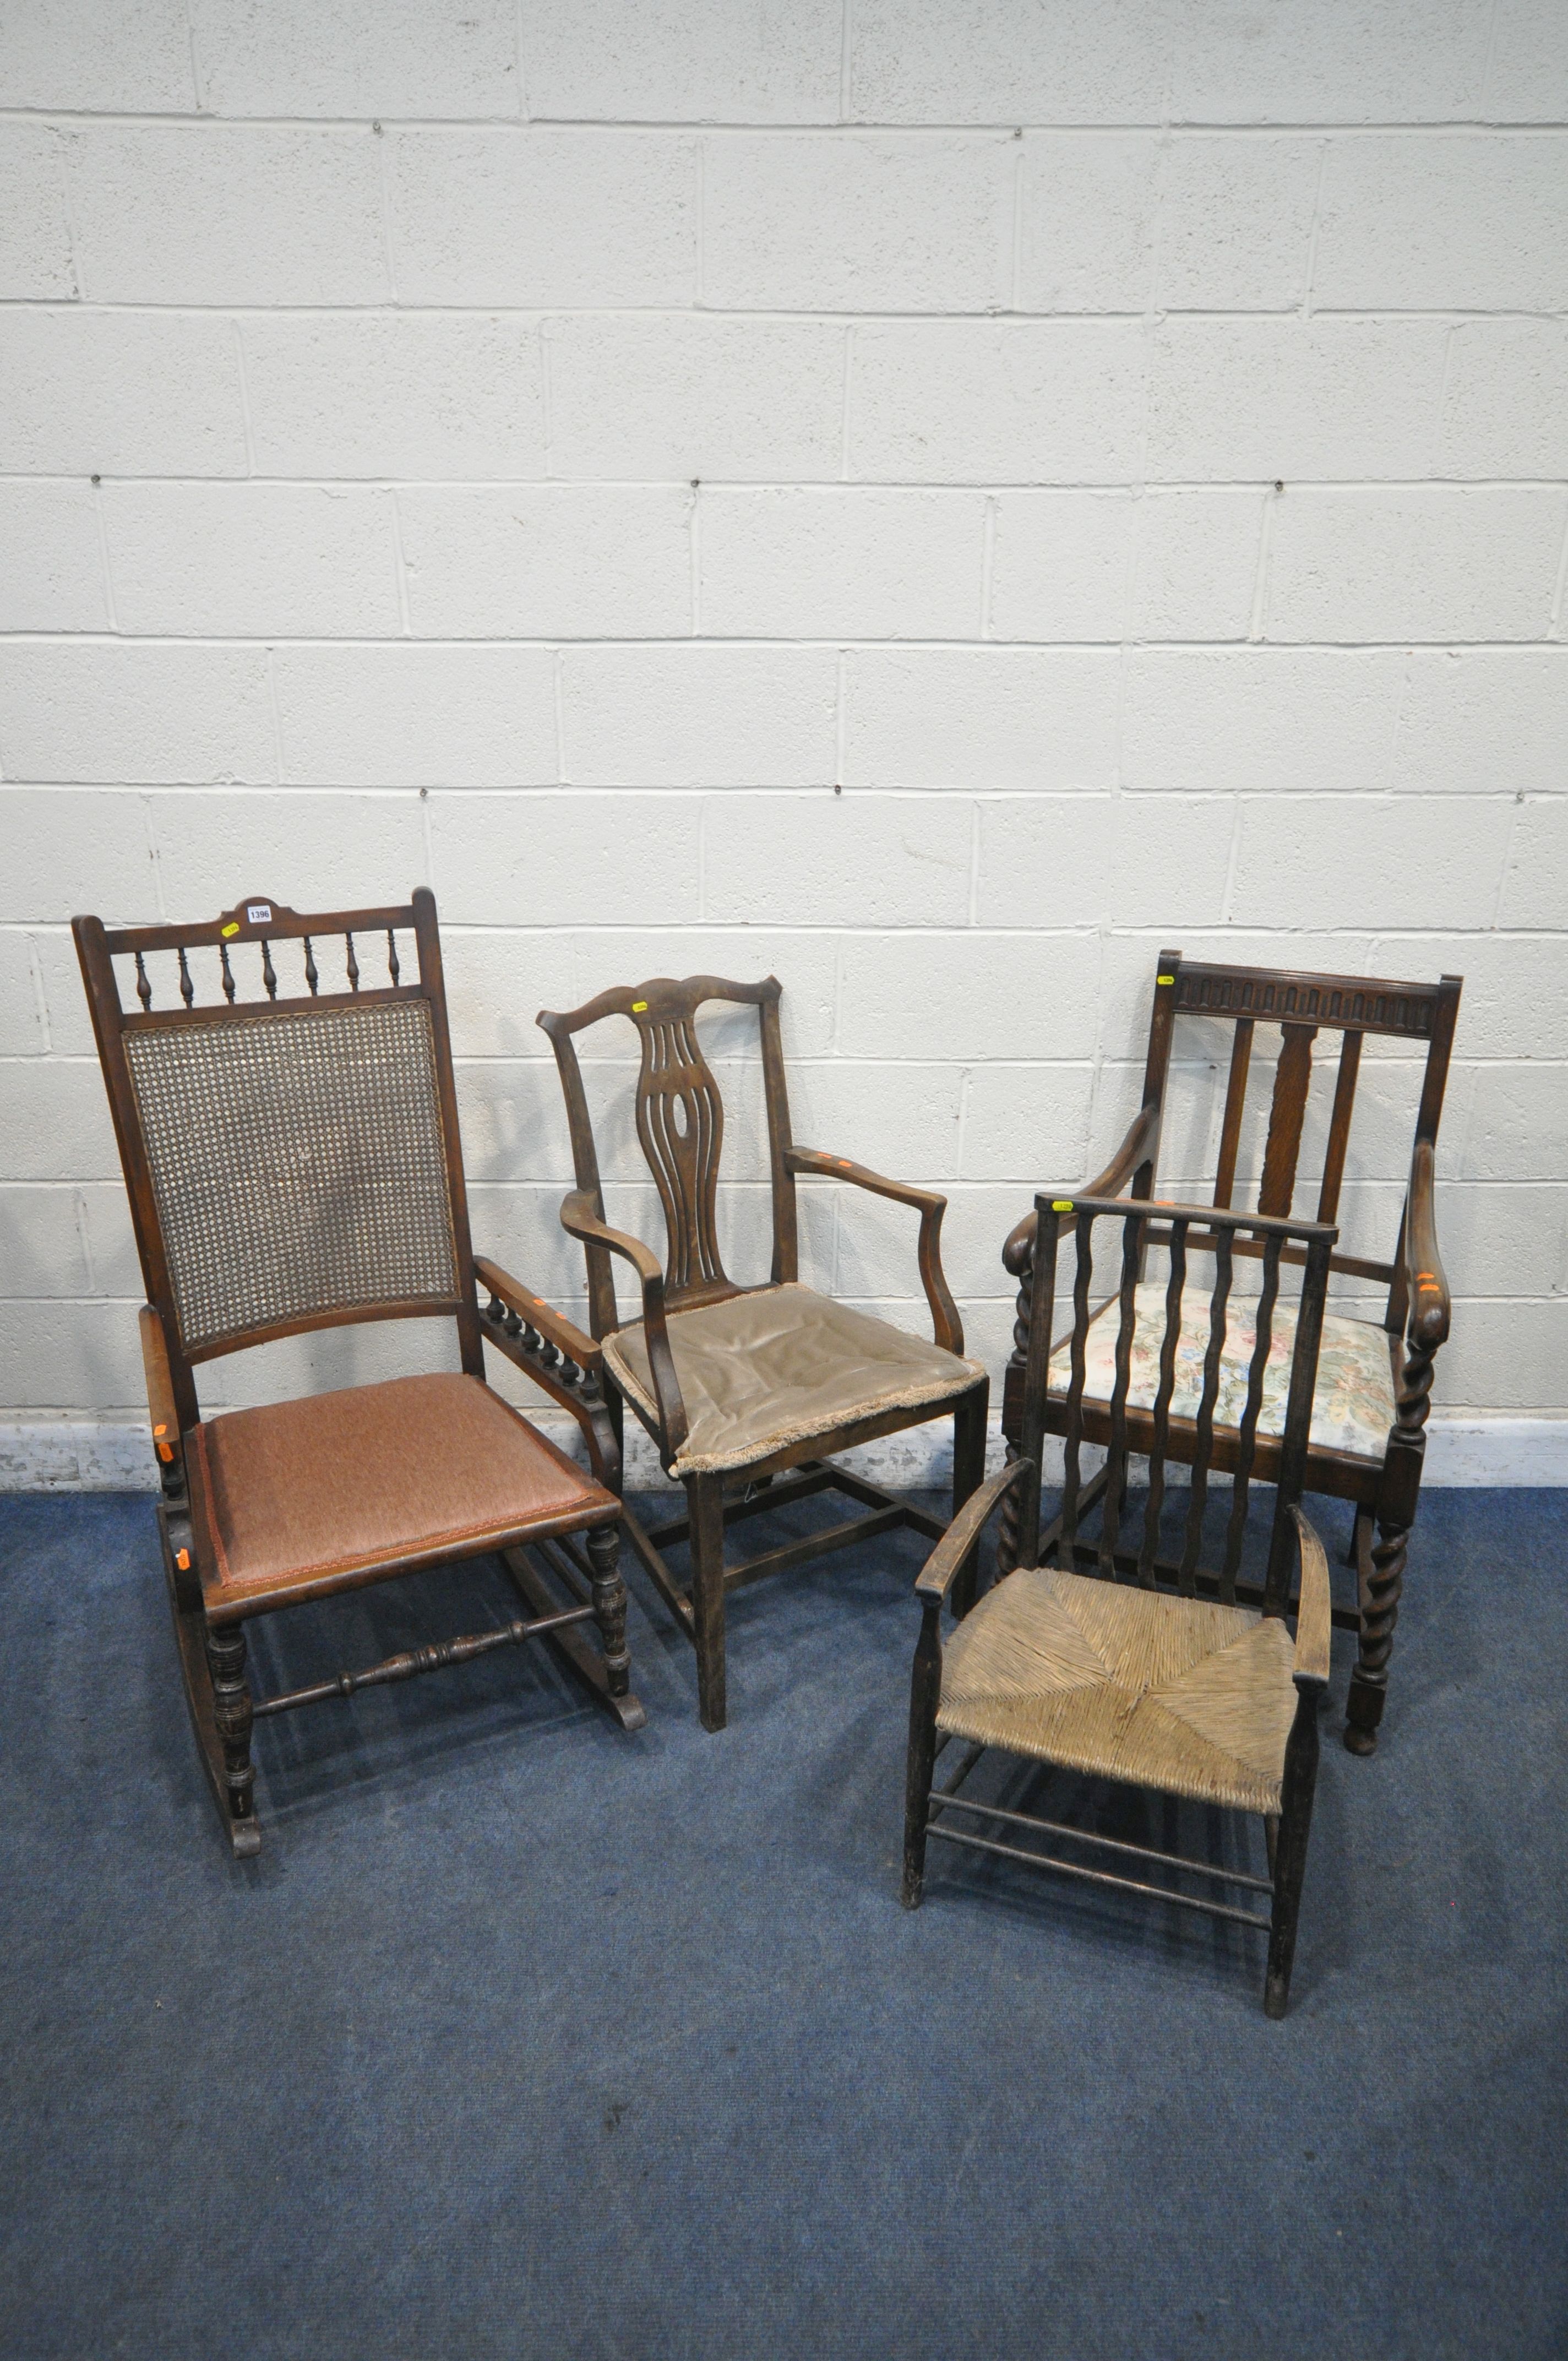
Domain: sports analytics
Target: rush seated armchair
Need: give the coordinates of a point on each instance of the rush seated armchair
(1366, 1440)
(739, 1385)
(1112, 1652)
(293, 1160)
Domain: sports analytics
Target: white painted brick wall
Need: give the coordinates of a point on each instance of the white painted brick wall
(935, 498)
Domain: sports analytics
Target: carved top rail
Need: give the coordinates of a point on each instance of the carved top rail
(1347, 1003)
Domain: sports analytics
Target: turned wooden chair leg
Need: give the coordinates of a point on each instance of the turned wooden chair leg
(232, 1719)
(1288, 1851)
(706, 1496)
(969, 1422)
(610, 1606)
(1380, 1574)
(925, 1696)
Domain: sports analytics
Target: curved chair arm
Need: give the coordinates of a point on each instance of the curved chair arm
(1314, 1612)
(947, 1327)
(580, 1219)
(1431, 1307)
(556, 1355)
(1020, 1246)
(961, 1535)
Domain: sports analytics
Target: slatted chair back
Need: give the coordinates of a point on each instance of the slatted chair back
(680, 1123)
(1093, 1224)
(1305, 1007)
(291, 1148)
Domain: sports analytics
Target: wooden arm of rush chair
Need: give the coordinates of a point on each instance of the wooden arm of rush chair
(1020, 1246)
(1431, 1308)
(947, 1327)
(580, 1220)
(940, 1568)
(556, 1355)
(1314, 1613)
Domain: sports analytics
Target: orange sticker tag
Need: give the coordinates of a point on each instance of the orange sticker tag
(166, 1453)
(638, 1006)
(160, 1428)
(183, 1560)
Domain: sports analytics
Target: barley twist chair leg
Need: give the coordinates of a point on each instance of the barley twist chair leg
(925, 1696)
(610, 1606)
(232, 1719)
(706, 1494)
(1381, 1579)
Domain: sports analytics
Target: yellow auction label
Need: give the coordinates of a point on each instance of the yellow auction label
(1061, 1204)
(232, 929)
(638, 1006)
(1165, 979)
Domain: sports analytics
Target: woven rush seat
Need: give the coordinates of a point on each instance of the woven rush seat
(1353, 1400)
(778, 1365)
(1178, 1693)
(293, 1498)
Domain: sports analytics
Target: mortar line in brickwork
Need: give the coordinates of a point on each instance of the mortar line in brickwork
(399, 564)
(846, 62)
(518, 30)
(699, 218)
(1489, 67)
(1001, 650)
(1554, 628)
(380, 309)
(987, 564)
(1468, 127)
(846, 419)
(1105, 487)
(242, 381)
(1312, 232)
(1261, 579)
(277, 713)
(109, 608)
(694, 543)
(558, 687)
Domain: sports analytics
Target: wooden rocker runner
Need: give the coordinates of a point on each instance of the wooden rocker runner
(740, 1386)
(293, 1160)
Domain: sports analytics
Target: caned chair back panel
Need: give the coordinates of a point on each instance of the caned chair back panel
(291, 1157)
(680, 1126)
(1306, 1008)
(1110, 1238)
(297, 1163)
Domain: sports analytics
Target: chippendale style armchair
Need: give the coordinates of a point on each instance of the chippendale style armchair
(740, 1384)
(1165, 1680)
(293, 1163)
(1367, 1441)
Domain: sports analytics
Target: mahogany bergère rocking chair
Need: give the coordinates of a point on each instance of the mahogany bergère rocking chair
(735, 1384)
(1164, 1680)
(1366, 1442)
(293, 1163)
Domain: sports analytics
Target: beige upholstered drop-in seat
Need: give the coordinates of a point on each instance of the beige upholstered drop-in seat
(1353, 1401)
(1177, 1693)
(778, 1365)
(298, 1494)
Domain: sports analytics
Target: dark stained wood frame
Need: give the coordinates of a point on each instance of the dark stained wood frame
(683, 1151)
(1249, 1456)
(1419, 1307)
(561, 1589)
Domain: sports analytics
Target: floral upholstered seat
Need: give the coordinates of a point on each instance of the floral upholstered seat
(1352, 1402)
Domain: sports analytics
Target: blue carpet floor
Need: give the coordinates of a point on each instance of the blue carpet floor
(527, 2038)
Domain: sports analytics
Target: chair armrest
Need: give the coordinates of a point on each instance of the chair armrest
(956, 1543)
(947, 1326)
(1314, 1613)
(1430, 1306)
(555, 1355)
(166, 1442)
(581, 1219)
(552, 1326)
(1135, 1147)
